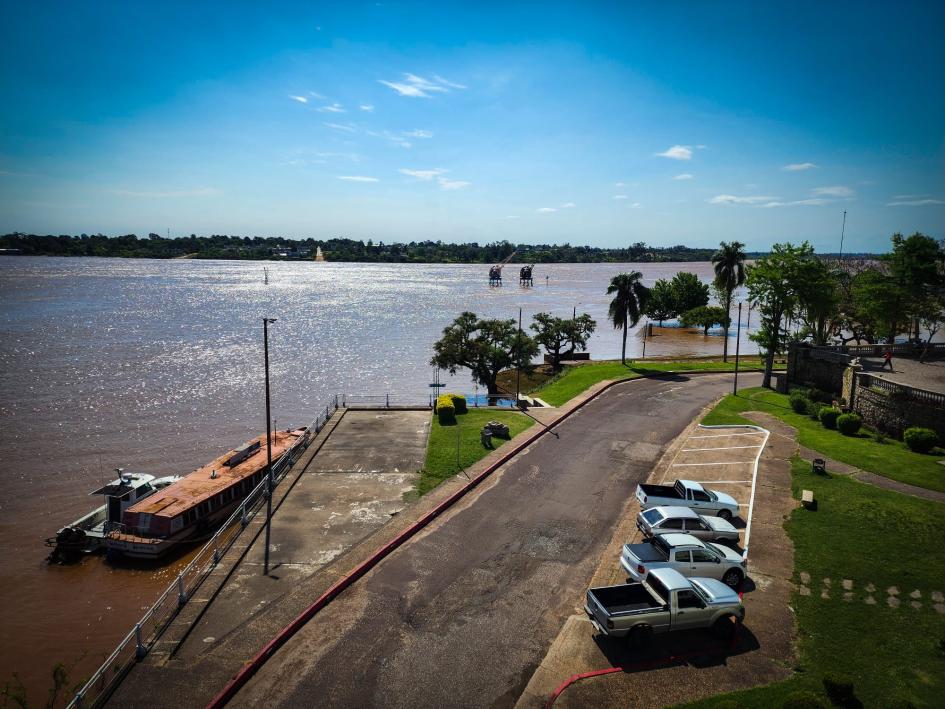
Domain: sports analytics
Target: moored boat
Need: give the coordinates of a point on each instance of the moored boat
(196, 504)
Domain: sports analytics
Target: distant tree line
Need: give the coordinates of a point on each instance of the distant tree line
(222, 246)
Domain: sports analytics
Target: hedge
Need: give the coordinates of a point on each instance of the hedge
(445, 410)
(459, 403)
(849, 424)
(828, 417)
(920, 440)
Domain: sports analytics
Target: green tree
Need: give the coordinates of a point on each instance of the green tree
(881, 301)
(772, 285)
(578, 331)
(554, 333)
(630, 298)
(705, 316)
(688, 292)
(729, 265)
(485, 347)
(818, 298)
(917, 267)
(661, 304)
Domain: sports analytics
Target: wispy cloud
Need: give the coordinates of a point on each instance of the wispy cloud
(449, 185)
(621, 196)
(677, 152)
(546, 210)
(367, 107)
(331, 108)
(197, 192)
(798, 166)
(733, 199)
(422, 174)
(914, 202)
(315, 94)
(620, 184)
(635, 205)
(513, 216)
(418, 87)
(684, 176)
(346, 127)
(300, 99)
(395, 138)
(357, 178)
(568, 205)
(812, 202)
(417, 133)
(833, 191)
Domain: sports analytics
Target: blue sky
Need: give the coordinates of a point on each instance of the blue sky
(591, 123)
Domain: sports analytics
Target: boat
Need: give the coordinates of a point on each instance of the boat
(191, 508)
(87, 534)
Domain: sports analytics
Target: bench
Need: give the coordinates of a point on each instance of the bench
(807, 498)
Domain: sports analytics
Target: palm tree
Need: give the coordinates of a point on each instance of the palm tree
(729, 264)
(630, 296)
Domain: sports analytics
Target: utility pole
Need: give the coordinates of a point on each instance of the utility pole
(270, 486)
(738, 342)
(842, 230)
(518, 364)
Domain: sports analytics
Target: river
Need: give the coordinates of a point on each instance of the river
(156, 366)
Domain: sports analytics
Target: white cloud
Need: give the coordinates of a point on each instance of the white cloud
(568, 205)
(417, 133)
(914, 202)
(635, 205)
(300, 99)
(421, 174)
(419, 87)
(833, 191)
(733, 199)
(677, 152)
(315, 94)
(196, 192)
(620, 184)
(357, 178)
(450, 185)
(798, 166)
(813, 202)
(546, 210)
(331, 108)
(621, 196)
(513, 216)
(367, 107)
(347, 128)
(684, 176)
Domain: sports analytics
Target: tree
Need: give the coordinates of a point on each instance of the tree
(555, 333)
(729, 265)
(818, 297)
(485, 347)
(917, 267)
(705, 316)
(578, 331)
(882, 302)
(772, 285)
(688, 292)
(661, 304)
(630, 298)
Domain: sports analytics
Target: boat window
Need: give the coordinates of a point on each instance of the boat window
(144, 490)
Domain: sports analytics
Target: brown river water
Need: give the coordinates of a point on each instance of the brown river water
(156, 366)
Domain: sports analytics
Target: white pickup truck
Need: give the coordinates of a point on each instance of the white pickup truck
(663, 602)
(685, 554)
(687, 493)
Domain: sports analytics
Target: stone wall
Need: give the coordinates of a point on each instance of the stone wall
(892, 409)
(809, 366)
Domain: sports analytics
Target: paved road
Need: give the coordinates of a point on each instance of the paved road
(463, 614)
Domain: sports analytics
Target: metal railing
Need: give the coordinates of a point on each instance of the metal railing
(146, 631)
(907, 348)
(925, 396)
(382, 401)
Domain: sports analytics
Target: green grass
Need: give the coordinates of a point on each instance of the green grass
(868, 535)
(891, 459)
(441, 462)
(576, 379)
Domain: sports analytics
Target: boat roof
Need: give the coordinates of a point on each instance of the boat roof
(197, 487)
(119, 487)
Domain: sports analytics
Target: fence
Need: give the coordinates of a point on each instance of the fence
(384, 401)
(908, 349)
(932, 398)
(146, 632)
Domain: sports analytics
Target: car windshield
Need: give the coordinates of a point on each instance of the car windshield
(700, 591)
(652, 516)
(712, 495)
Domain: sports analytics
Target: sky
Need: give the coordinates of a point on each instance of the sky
(588, 123)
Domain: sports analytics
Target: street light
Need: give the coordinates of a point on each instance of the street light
(266, 322)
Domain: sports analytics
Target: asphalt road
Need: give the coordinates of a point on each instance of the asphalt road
(462, 614)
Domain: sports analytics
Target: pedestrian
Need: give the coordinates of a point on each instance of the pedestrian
(887, 359)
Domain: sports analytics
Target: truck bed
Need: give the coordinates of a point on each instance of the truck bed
(660, 491)
(647, 551)
(625, 598)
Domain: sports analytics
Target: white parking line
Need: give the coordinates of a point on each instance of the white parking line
(726, 435)
(719, 448)
(728, 462)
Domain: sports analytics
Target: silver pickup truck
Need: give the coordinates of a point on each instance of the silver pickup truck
(687, 493)
(685, 554)
(664, 601)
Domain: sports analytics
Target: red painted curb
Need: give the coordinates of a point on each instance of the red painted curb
(259, 659)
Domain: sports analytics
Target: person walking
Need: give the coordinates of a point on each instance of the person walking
(887, 359)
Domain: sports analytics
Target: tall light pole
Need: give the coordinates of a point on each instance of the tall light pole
(518, 367)
(266, 322)
(842, 230)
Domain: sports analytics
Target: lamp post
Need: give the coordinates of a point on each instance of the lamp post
(266, 322)
(518, 364)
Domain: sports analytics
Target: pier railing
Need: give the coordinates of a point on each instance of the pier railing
(137, 643)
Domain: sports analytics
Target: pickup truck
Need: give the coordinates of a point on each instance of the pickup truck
(664, 601)
(686, 555)
(678, 520)
(687, 493)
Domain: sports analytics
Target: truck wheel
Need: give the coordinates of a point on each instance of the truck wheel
(639, 636)
(732, 578)
(726, 515)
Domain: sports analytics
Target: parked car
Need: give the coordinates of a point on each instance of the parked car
(676, 520)
(687, 493)
(687, 555)
(663, 602)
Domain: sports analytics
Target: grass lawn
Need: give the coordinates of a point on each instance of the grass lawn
(576, 379)
(870, 536)
(891, 459)
(441, 462)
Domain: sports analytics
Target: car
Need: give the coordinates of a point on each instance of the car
(675, 520)
(687, 555)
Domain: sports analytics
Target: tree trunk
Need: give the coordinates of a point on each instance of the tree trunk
(769, 365)
(623, 351)
(728, 313)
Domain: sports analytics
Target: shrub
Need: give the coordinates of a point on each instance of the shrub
(849, 424)
(803, 700)
(800, 403)
(839, 689)
(445, 410)
(828, 417)
(920, 440)
(459, 403)
(879, 436)
(814, 410)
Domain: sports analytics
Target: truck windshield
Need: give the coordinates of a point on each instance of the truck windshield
(657, 589)
(680, 489)
(697, 587)
(660, 544)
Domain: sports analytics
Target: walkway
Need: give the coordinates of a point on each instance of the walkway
(910, 372)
